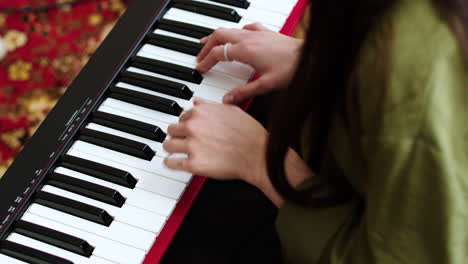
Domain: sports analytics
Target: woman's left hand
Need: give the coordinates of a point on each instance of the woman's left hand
(221, 141)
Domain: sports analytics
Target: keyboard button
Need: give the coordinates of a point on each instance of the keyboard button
(144, 93)
(202, 91)
(183, 16)
(82, 210)
(128, 125)
(124, 114)
(135, 197)
(53, 237)
(88, 189)
(157, 146)
(120, 144)
(238, 70)
(228, 14)
(56, 251)
(153, 102)
(181, 45)
(150, 218)
(117, 231)
(163, 32)
(222, 75)
(154, 166)
(238, 3)
(184, 28)
(29, 255)
(104, 248)
(141, 111)
(10, 260)
(98, 170)
(157, 84)
(254, 13)
(168, 69)
(148, 181)
(279, 6)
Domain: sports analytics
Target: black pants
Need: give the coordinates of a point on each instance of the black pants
(230, 222)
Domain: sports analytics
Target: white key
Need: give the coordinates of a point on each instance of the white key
(148, 181)
(117, 231)
(175, 35)
(281, 6)
(202, 91)
(238, 71)
(154, 145)
(185, 104)
(9, 260)
(58, 252)
(154, 166)
(145, 219)
(134, 196)
(118, 112)
(211, 78)
(138, 110)
(207, 21)
(103, 247)
(253, 13)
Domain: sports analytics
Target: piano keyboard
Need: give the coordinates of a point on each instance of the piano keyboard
(105, 196)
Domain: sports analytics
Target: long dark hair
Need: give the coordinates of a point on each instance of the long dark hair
(336, 32)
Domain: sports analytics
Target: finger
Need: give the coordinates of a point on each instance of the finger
(199, 101)
(176, 163)
(238, 95)
(176, 145)
(256, 27)
(177, 130)
(214, 56)
(185, 116)
(220, 37)
(235, 53)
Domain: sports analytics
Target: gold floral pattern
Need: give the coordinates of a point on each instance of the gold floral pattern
(20, 71)
(95, 19)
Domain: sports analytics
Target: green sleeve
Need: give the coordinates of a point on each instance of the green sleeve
(414, 140)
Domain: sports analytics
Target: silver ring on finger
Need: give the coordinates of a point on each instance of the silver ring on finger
(226, 47)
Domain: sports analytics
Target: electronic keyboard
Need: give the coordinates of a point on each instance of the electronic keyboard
(90, 187)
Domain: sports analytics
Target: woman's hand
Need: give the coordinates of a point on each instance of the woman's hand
(274, 56)
(221, 141)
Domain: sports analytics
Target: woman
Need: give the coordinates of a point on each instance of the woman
(371, 121)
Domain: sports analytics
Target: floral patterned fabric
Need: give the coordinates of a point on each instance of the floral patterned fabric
(40, 54)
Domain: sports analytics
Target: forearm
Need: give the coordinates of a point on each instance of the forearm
(297, 172)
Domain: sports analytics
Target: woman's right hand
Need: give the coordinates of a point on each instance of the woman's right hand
(273, 56)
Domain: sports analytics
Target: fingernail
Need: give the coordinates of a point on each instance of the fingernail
(203, 40)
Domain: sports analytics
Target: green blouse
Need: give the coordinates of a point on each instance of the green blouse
(408, 114)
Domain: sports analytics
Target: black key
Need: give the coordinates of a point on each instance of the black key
(184, 28)
(54, 238)
(181, 45)
(98, 170)
(168, 69)
(220, 12)
(146, 100)
(120, 144)
(73, 207)
(129, 125)
(29, 255)
(85, 188)
(178, 90)
(237, 3)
